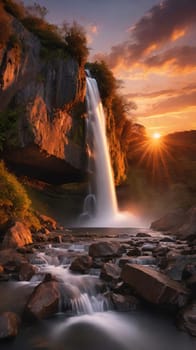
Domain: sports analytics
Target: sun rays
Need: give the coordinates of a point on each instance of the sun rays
(155, 153)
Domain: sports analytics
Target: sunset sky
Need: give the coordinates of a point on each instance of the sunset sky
(150, 45)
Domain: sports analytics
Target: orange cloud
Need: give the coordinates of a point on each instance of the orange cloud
(179, 59)
(164, 23)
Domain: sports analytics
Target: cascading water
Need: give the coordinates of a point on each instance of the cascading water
(102, 191)
(100, 206)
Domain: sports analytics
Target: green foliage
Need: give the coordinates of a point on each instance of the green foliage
(14, 202)
(9, 119)
(105, 79)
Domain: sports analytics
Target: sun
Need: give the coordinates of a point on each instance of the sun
(156, 136)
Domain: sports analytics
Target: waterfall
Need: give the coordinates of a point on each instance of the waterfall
(101, 202)
(100, 207)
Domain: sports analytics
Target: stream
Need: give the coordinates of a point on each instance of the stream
(90, 323)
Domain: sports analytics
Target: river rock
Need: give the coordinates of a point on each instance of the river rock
(154, 286)
(187, 319)
(143, 234)
(134, 251)
(44, 301)
(140, 260)
(177, 264)
(110, 272)
(160, 250)
(27, 271)
(81, 264)
(11, 260)
(105, 249)
(124, 303)
(17, 236)
(9, 325)
(147, 247)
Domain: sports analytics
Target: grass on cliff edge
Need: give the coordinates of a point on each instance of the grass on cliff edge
(14, 201)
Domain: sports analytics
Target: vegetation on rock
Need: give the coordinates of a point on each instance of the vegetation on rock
(14, 201)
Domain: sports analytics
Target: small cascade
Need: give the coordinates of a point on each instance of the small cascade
(80, 290)
(86, 304)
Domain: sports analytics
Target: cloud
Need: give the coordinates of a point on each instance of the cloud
(163, 93)
(182, 102)
(181, 58)
(165, 22)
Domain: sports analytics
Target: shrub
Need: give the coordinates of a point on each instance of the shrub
(46, 32)
(14, 202)
(105, 80)
(76, 42)
(9, 126)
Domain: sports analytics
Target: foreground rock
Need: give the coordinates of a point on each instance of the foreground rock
(81, 264)
(9, 325)
(17, 236)
(44, 301)
(110, 272)
(105, 249)
(154, 286)
(187, 319)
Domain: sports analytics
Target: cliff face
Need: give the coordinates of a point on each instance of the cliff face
(47, 91)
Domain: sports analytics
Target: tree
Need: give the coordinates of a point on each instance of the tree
(76, 42)
(37, 10)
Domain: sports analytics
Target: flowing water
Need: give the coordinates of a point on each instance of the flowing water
(85, 320)
(100, 206)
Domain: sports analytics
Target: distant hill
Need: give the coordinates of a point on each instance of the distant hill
(182, 144)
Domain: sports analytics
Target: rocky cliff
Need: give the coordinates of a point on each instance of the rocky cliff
(41, 107)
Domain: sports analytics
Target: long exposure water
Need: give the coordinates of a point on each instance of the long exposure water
(90, 323)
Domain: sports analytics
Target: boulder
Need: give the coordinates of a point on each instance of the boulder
(81, 264)
(187, 319)
(17, 236)
(169, 221)
(9, 325)
(154, 286)
(105, 249)
(27, 271)
(143, 234)
(44, 302)
(110, 272)
(177, 265)
(134, 251)
(10, 259)
(124, 303)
